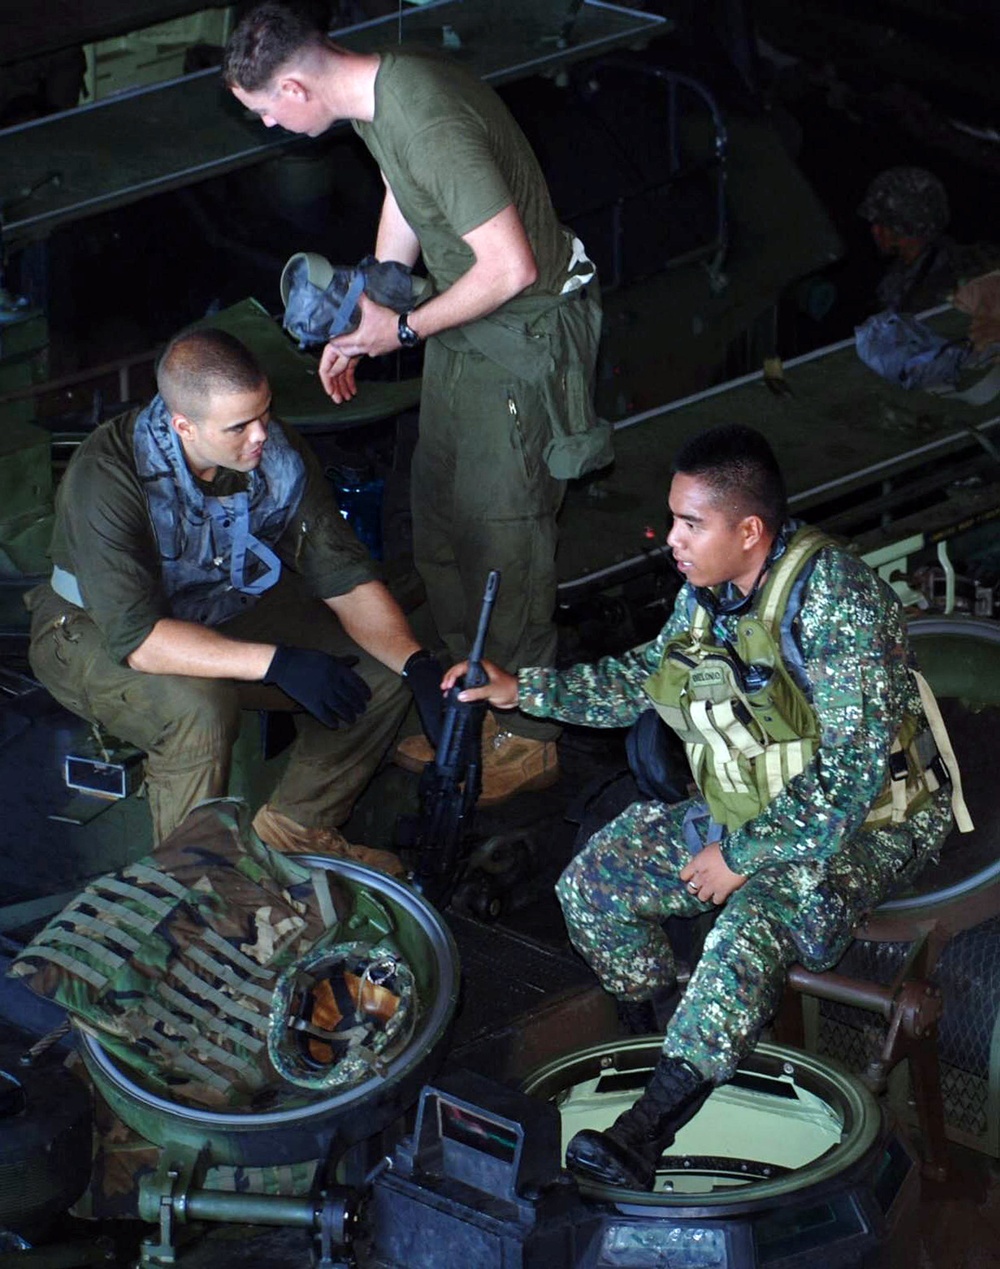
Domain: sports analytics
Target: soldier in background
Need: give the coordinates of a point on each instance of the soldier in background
(908, 210)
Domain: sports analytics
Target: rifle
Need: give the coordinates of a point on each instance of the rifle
(451, 784)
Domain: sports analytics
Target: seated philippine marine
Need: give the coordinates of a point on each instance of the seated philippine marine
(817, 784)
(201, 565)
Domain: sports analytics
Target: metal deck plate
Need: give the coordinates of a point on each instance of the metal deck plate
(840, 431)
(522, 1003)
(508, 975)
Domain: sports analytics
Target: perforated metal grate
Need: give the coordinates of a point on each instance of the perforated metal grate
(969, 976)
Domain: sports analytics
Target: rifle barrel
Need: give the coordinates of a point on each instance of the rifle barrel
(475, 675)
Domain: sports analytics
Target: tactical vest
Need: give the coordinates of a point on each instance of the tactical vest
(748, 728)
(215, 552)
(173, 962)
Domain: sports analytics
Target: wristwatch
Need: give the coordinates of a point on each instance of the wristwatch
(408, 337)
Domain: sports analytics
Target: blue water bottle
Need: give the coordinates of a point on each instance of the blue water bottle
(359, 496)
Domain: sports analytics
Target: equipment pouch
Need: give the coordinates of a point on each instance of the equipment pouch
(659, 772)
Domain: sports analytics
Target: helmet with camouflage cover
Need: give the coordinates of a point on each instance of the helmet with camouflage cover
(907, 200)
(341, 1014)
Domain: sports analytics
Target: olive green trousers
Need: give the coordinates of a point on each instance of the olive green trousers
(188, 726)
(482, 498)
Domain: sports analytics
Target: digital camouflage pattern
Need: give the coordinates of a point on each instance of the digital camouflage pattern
(935, 275)
(340, 1014)
(911, 286)
(908, 200)
(812, 870)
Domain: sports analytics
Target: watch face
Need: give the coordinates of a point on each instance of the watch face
(407, 336)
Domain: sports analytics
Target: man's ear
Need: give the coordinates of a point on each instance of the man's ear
(183, 426)
(294, 87)
(752, 532)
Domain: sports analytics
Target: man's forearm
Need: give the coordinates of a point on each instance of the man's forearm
(183, 647)
(475, 294)
(607, 693)
(373, 619)
(503, 266)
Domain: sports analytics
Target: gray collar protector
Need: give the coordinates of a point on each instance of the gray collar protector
(214, 550)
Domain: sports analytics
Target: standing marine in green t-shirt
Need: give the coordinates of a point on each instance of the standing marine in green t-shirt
(512, 329)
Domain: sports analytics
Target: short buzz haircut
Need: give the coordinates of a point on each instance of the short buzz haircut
(201, 362)
(265, 40)
(740, 469)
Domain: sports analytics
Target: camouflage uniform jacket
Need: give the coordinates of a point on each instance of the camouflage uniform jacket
(850, 629)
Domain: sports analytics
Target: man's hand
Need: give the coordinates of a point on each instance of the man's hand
(500, 691)
(325, 685)
(336, 374)
(375, 334)
(709, 877)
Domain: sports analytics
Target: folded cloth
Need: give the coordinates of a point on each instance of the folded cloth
(908, 352)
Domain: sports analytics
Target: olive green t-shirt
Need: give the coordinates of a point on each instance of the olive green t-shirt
(454, 157)
(104, 537)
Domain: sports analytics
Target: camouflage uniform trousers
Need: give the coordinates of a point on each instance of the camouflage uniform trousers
(626, 881)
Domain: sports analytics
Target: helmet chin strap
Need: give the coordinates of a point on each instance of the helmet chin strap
(737, 604)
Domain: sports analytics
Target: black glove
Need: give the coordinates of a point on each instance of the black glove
(423, 673)
(325, 685)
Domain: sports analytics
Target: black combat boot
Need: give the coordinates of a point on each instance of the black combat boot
(627, 1153)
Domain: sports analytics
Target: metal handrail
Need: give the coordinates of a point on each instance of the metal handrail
(674, 81)
(122, 366)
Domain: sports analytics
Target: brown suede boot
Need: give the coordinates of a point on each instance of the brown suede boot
(413, 753)
(514, 764)
(510, 764)
(282, 833)
(627, 1153)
